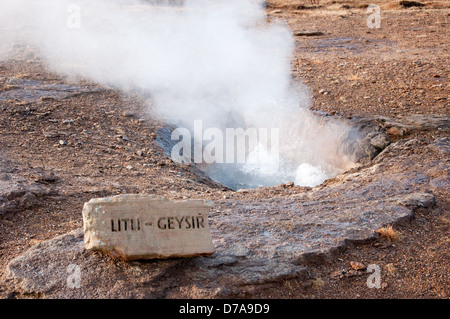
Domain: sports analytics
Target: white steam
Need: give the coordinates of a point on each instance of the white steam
(215, 60)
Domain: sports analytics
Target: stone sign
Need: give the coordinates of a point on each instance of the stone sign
(146, 227)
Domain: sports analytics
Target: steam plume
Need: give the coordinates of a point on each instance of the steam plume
(216, 60)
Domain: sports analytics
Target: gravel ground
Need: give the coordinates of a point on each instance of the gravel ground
(98, 142)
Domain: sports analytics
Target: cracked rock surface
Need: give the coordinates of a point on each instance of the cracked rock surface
(258, 242)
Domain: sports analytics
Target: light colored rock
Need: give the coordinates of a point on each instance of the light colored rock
(147, 227)
(356, 265)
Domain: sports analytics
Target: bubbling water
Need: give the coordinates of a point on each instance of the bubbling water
(309, 175)
(310, 149)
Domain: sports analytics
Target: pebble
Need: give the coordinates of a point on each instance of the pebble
(128, 114)
(356, 265)
(308, 33)
(140, 153)
(50, 134)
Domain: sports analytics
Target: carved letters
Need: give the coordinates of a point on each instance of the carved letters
(170, 222)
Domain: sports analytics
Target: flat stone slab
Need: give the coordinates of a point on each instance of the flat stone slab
(147, 227)
(258, 242)
(34, 90)
(18, 192)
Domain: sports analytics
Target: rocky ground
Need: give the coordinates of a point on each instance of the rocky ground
(63, 143)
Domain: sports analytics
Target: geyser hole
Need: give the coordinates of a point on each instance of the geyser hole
(311, 149)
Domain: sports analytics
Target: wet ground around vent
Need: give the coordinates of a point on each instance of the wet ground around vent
(26, 90)
(63, 143)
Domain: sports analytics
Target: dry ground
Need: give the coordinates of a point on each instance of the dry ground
(401, 68)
